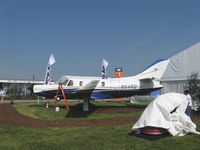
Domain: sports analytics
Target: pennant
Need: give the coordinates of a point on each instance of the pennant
(49, 71)
(51, 60)
(104, 66)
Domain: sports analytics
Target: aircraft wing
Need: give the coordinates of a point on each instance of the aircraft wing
(90, 86)
(86, 91)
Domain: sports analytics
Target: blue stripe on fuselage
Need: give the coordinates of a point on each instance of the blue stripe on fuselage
(52, 93)
(97, 93)
(102, 94)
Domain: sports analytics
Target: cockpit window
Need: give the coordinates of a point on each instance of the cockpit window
(70, 83)
(62, 80)
(65, 82)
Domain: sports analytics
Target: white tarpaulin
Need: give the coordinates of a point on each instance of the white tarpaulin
(158, 114)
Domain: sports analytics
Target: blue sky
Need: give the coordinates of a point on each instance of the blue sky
(128, 33)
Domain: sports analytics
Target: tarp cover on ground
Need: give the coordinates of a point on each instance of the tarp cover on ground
(160, 113)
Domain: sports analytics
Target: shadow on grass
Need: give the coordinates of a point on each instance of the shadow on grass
(76, 111)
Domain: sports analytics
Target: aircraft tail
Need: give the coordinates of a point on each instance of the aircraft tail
(155, 71)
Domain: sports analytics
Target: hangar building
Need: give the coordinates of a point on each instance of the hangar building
(22, 85)
(180, 67)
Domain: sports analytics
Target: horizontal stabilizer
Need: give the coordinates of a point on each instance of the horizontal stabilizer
(146, 79)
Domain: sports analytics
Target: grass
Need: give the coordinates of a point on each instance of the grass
(85, 138)
(39, 111)
(82, 138)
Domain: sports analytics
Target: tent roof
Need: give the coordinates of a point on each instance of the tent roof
(183, 64)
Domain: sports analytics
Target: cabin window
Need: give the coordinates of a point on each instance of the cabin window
(102, 83)
(70, 83)
(65, 82)
(81, 83)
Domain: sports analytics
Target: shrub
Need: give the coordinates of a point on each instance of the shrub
(193, 85)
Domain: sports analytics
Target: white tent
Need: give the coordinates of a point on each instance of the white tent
(180, 67)
(167, 111)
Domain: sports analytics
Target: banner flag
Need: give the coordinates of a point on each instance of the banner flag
(49, 71)
(104, 66)
(52, 60)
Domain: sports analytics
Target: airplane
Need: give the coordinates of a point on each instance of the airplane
(88, 88)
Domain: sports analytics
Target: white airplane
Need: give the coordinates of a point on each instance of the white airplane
(87, 88)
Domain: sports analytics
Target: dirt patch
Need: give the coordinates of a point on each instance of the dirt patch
(9, 116)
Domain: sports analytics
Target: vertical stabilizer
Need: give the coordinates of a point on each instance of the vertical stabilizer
(155, 71)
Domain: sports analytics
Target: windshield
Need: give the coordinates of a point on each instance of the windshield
(64, 80)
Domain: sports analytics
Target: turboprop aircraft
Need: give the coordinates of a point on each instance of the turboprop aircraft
(87, 88)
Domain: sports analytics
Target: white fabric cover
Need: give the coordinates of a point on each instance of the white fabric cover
(157, 114)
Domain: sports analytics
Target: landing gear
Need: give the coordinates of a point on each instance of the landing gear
(85, 105)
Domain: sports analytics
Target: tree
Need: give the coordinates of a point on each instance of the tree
(30, 88)
(193, 85)
(12, 91)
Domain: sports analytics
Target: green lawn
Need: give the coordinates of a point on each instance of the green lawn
(39, 111)
(86, 138)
